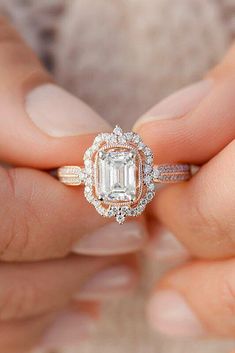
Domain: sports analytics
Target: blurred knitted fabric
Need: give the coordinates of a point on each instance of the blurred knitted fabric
(121, 57)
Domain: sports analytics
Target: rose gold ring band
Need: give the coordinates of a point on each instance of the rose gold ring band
(162, 173)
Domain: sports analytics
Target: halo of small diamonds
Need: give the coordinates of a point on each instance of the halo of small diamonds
(145, 189)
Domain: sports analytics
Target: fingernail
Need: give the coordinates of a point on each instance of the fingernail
(69, 329)
(58, 113)
(108, 240)
(165, 247)
(177, 104)
(169, 313)
(110, 282)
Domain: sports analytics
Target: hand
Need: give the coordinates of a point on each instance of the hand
(197, 125)
(43, 221)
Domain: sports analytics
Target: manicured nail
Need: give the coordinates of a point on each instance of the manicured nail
(165, 247)
(110, 282)
(69, 329)
(170, 314)
(58, 113)
(108, 240)
(178, 104)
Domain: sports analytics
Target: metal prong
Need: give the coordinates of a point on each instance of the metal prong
(133, 197)
(132, 155)
(117, 130)
(102, 154)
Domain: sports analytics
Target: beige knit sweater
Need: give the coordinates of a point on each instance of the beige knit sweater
(121, 57)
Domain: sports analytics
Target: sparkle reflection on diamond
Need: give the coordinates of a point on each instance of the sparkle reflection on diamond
(117, 176)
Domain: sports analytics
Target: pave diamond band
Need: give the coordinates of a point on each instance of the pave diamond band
(163, 173)
(171, 173)
(119, 175)
(71, 175)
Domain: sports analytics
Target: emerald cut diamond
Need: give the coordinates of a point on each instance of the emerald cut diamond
(117, 176)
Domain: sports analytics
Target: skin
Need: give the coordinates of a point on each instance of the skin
(31, 294)
(200, 213)
(206, 229)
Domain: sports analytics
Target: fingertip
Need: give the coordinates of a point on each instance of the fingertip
(42, 126)
(106, 240)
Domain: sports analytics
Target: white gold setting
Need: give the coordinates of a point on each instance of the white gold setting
(119, 174)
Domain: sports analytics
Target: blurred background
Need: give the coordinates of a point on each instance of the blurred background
(121, 57)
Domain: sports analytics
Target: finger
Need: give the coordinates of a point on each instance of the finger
(107, 241)
(196, 300)
(201, 212)
(43, 219)
(42, 125)
(39, 219)
(68, 327)
(38, 288)
(60, 128)
(196, 123)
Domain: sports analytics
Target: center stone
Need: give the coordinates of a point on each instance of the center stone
(116, 176)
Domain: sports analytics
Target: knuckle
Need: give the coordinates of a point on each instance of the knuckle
(212, 210)
(17, 216)
(203, 220)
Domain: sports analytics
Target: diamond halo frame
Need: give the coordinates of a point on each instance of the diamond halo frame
(119, 142)
(119, 175)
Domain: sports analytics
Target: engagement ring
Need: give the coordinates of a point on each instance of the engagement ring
(119, 175)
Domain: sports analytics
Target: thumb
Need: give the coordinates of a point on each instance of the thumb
(42, 125)
(195, 123)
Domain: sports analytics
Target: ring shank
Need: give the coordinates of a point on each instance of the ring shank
(171, 173)
(162, 173)
(71, 175)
